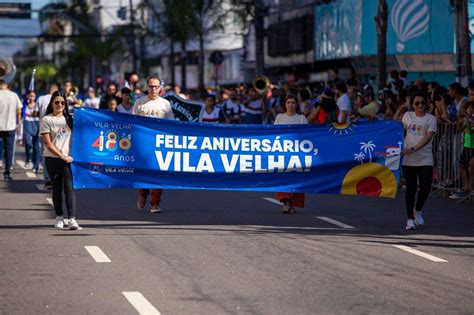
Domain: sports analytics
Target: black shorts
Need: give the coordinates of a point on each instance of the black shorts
(466, 155)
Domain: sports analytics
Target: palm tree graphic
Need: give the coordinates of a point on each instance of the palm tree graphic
(359, 157)
(368, 148)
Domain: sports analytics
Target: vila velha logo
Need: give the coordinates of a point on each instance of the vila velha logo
(113, 141)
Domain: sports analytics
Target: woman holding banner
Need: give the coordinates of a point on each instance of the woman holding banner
(55, 129)
(291, 115)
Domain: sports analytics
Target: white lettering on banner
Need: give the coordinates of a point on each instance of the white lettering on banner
(180, 161)
(235, 144)
(229, 167)
(246, 163)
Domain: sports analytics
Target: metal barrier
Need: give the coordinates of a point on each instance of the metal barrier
(447, 147)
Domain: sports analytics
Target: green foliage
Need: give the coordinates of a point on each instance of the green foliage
(44, 71)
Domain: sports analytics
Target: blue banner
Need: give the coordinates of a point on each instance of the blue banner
(114, 150)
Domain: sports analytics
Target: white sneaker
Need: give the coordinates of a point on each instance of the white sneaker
(72, 224)
(59, 222)
(410, 225)
(419, 221)
(155, 209)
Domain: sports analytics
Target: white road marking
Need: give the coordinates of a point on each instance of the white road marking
(140, 303)
(419, 253)
(30, 174)
(335, 222)
(98, 255)
(41, 187)
(50, 201)
(21, 163)
(272, 200)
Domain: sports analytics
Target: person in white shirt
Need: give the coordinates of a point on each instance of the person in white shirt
(293, 116)
(233, 109)
(343, 103)
(92, 101)
(126, 106)
(417, 158)
(211, 113)
(56, 131)
(10, 122)
(42, 103)
(152, 105)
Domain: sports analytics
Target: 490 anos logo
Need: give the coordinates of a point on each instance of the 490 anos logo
(110, 143)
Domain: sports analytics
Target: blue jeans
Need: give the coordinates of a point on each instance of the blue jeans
(8, 138)
(31, 136)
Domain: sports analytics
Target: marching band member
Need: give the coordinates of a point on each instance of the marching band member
(210, 113)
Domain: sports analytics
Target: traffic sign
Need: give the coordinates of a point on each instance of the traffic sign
(216, 57)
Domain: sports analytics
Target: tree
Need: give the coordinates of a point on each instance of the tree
(208, 16)
(381, 22)
(178, 25)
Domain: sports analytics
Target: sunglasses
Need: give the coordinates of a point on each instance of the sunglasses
(419, 103)
(59, 102)
(153, 86)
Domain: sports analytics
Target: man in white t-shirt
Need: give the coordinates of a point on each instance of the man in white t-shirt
(152, 105)
(10, 120)
(343, 103)
(43, 101)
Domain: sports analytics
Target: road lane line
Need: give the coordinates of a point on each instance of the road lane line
(335, 222)
(140, 303)
(21, 163)
(41, 187)
(30, 174)
(272, 200)
(419, 253)
(50, 201)
(98, 255)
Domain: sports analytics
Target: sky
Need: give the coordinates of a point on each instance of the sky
(8, 46)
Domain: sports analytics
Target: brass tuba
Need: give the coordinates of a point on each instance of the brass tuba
(261, 83)
(7, 69)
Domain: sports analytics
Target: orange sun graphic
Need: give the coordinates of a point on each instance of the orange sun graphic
(342, 129)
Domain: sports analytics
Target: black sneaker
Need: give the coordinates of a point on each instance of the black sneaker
(7, 177)
(48, 185)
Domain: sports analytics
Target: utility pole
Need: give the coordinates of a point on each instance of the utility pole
(381, 21)
(259, 37)
(97, 22)
(463, 43)
(132, 35)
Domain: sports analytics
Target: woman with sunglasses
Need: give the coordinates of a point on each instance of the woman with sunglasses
(420, 128)
(291, 116)
(55, 129)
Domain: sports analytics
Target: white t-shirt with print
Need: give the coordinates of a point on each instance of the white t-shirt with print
(60, 133)
(284, 119)
(416, 128)
(159, 108)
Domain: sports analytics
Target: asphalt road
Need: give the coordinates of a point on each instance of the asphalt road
(220, 252)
